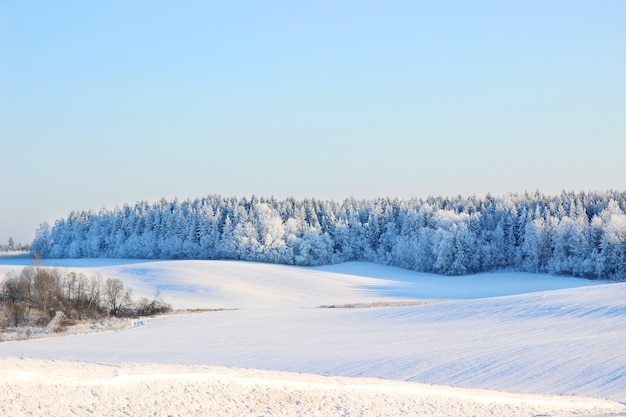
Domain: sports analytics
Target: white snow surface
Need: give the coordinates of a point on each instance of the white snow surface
(277, 352)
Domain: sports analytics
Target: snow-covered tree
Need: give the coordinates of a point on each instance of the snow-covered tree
(581, 234)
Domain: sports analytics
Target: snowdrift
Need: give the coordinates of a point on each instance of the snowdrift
(35, 387)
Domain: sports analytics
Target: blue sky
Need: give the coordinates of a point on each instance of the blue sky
(103, 103)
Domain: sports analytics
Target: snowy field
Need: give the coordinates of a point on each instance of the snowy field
(491, 344)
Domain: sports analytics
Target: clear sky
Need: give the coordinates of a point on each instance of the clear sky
(108, 102)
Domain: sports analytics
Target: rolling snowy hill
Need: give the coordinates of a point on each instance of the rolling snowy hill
(507, 332)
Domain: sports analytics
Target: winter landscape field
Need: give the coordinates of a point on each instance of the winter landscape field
(329, 208)
(348, 339)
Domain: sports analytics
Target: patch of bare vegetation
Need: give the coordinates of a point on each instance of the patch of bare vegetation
(49, 300)
(200, 310)
(384, 304)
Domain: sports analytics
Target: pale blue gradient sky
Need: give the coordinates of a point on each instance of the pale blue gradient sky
(103, 103)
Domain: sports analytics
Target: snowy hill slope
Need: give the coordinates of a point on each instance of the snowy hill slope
(232, 284)
(34, 387)
(563, 341)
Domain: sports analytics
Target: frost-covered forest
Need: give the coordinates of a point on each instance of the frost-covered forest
(581, 234)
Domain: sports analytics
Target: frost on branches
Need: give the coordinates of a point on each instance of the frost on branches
(580, 234)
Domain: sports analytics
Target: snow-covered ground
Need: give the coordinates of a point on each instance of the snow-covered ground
(43, 388)
(278, 353)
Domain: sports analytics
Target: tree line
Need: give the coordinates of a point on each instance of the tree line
(580, 234)
(37, 295)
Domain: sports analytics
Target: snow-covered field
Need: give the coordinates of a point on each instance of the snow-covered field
(553, 341)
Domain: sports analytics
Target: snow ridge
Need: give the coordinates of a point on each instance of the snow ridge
(64, 388)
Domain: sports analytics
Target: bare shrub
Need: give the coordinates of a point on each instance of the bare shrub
(146, 307)
(59, 323)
